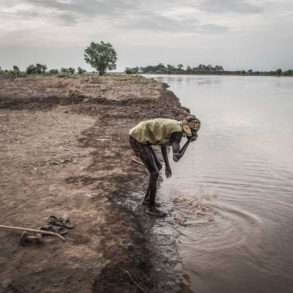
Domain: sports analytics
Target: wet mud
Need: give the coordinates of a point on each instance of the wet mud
(65, 151)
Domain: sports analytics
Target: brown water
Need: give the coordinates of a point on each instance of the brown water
(232, 194)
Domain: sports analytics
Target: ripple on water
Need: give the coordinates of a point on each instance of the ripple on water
(205, 225)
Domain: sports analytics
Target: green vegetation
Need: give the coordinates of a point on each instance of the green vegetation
(101, 56)
(53, 71)
(80, 70)
(179, 69)
(36, 69)
(201, 69)
(67, 71)
(40, 69)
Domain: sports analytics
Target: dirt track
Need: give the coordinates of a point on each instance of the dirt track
(64, 150)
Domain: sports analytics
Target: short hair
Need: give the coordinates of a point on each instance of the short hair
(190, 124)
(191, 117)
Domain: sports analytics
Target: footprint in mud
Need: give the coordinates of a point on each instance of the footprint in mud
(208, 225)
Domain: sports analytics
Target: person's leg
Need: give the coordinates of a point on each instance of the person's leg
(145, 153)
(158, 163)
(152, 205)
(153, 188)
(150, 163)
(147, 196)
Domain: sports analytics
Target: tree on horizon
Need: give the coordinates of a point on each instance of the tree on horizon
(101, 56)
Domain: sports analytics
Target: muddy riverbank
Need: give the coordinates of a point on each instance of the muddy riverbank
(64, 151)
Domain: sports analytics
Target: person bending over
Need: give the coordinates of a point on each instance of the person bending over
(163, 132)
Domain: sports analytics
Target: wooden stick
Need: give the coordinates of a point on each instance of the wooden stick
(33, 231)
(137, 162)
(133, 281)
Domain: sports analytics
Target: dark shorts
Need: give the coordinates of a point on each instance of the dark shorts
(146, 154)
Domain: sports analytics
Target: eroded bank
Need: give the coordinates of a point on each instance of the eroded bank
(64, 150)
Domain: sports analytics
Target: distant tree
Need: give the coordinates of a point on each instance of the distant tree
(279, 71)
(188, 69)
(134, 70)
(210, 68)
(194, 70)
(170, 69)
(219, 68)
(289, 72)
(64, 70)
(202, 67)
(36, 69)
(80, 70)
(31, 69)
(53, 71)
(69, 70)
(41, 68)
(15, 70)
(101, 56)
(160, 68)
(180, 68)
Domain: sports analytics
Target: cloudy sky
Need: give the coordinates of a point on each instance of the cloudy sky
(238, 34)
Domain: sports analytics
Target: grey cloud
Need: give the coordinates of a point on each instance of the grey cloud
(87, 7)
(68, 19)
(213, 28)
(222, 6)
(65, 18)
(128, 13)
(156, 22)
(8, 3)
(69, 12)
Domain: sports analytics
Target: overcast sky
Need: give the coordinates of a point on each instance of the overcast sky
(238, 34)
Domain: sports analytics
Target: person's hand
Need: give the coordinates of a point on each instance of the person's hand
(168, 172)
(159, 165)
(193, 137)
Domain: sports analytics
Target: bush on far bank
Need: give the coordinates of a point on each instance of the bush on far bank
(202, 69)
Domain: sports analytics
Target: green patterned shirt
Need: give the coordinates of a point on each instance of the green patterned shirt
(155, 131)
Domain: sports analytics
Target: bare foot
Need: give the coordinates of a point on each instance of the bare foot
(146, 202)
(153, 211)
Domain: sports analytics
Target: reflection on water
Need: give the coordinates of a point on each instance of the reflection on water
(232, 194)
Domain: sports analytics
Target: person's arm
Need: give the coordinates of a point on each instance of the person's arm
(168, 171)
(175, 137)
(177, 152)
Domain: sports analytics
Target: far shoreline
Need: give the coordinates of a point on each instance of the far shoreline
(215, 74)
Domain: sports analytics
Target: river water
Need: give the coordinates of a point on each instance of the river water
(232, 193)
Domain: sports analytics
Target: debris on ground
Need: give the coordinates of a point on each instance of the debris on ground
(55, 226)
(59, 225)
(31, 231)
